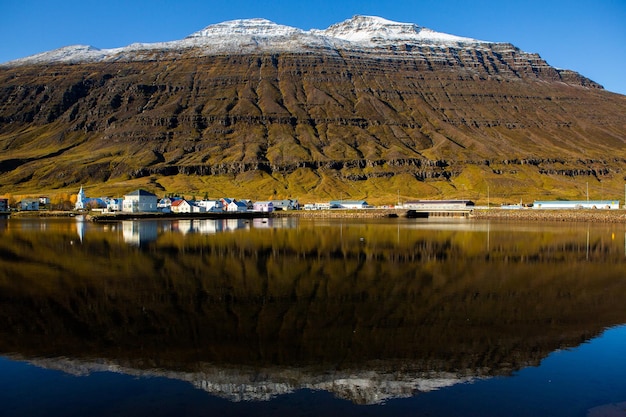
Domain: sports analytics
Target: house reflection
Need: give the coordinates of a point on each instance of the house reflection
(139, 233)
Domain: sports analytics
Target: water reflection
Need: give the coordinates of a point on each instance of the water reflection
(368, 310)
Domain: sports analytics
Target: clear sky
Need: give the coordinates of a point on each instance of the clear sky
(587, 36)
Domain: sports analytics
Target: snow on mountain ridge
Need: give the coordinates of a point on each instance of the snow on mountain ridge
(248, 35)
(372, 28)
(253, 27)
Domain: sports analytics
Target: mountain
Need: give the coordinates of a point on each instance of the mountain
(367, 108)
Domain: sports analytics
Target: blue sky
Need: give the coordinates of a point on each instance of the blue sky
(587, 36)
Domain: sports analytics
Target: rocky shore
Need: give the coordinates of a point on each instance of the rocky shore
(586, 216)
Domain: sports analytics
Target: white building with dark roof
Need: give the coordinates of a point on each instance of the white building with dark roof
(139, 201)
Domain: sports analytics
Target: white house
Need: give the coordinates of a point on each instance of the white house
(238, 206)
(263, 206)
(211, 205)
(139, 201)
(180, 206)
(234, 205)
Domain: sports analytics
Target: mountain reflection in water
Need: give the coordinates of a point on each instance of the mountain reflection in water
(368, 310)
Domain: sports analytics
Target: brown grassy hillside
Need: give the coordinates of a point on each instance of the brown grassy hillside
(313, 126)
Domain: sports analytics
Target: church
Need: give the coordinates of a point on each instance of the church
(83, 202)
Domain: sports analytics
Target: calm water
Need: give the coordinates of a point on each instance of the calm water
(277, 317)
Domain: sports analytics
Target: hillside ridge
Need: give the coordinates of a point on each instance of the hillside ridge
(366, 116)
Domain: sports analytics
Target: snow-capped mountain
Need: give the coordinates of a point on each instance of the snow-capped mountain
(380, 94)
(371, 31)
(247, 27)
(249, 35)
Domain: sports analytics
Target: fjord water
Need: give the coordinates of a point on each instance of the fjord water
(312, 317)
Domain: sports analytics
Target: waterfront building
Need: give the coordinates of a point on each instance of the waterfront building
(264, 206)
(349, 204)
(589, 204)
(29, 204)
(139, 201)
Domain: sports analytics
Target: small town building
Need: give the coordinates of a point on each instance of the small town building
(165, 204)
(590, 204)
(232, 205)
(211, 205)
(249, 203)
(317, 206)
(180, 206)
(285, 205)
(86, 203)
(264, 206)
(441, 205)
(114, 204)
(80, 199)
(29, 204)
(139, 201)
(44, 201)
(4, 204)
(349, 204)
(225, 202)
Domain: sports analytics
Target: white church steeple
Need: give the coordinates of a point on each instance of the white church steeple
(80, 199)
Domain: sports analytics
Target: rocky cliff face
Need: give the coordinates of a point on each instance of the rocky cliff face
(364, 105)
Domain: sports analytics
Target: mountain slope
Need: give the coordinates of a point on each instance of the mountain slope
(367, 108)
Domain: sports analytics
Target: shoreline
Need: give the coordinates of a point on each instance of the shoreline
(572, 215)
(578, 215)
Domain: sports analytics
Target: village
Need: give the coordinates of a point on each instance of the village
(142, 201)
